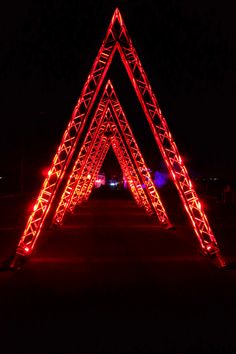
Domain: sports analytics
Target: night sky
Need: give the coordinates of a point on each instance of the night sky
(187, 49)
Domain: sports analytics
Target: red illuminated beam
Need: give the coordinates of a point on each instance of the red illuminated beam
(132, 175)
(138, 160)
(83, 190)
(111, 100)
(85, 193)
(117, 38)
(86, 189)
(87, 152)
(87, 158)
(69, 141)
(129, 170)
(80, 175)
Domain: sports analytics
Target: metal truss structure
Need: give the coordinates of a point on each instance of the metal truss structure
(88, 154)
(128, 171)
(118, 40)
(126, 164)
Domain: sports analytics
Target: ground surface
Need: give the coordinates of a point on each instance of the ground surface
(112, 281)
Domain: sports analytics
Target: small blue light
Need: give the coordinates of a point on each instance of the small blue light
(160, 179)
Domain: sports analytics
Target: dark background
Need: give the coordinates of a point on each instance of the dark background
(187, 49)
(110, 281)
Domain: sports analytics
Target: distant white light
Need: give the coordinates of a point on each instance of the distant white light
(113, 183)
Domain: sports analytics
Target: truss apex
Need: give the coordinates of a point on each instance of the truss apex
(117, 11)
(117, 15)
(108, 84)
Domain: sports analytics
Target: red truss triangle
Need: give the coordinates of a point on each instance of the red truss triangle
(109, 109)
(117, 39)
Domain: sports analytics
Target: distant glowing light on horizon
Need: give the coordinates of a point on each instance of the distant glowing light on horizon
(113, 183)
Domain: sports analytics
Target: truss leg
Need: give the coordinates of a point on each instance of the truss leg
(17, 262)
(84, 185)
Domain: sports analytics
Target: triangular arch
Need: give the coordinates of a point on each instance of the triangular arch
(118, 39)
(109, 110)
